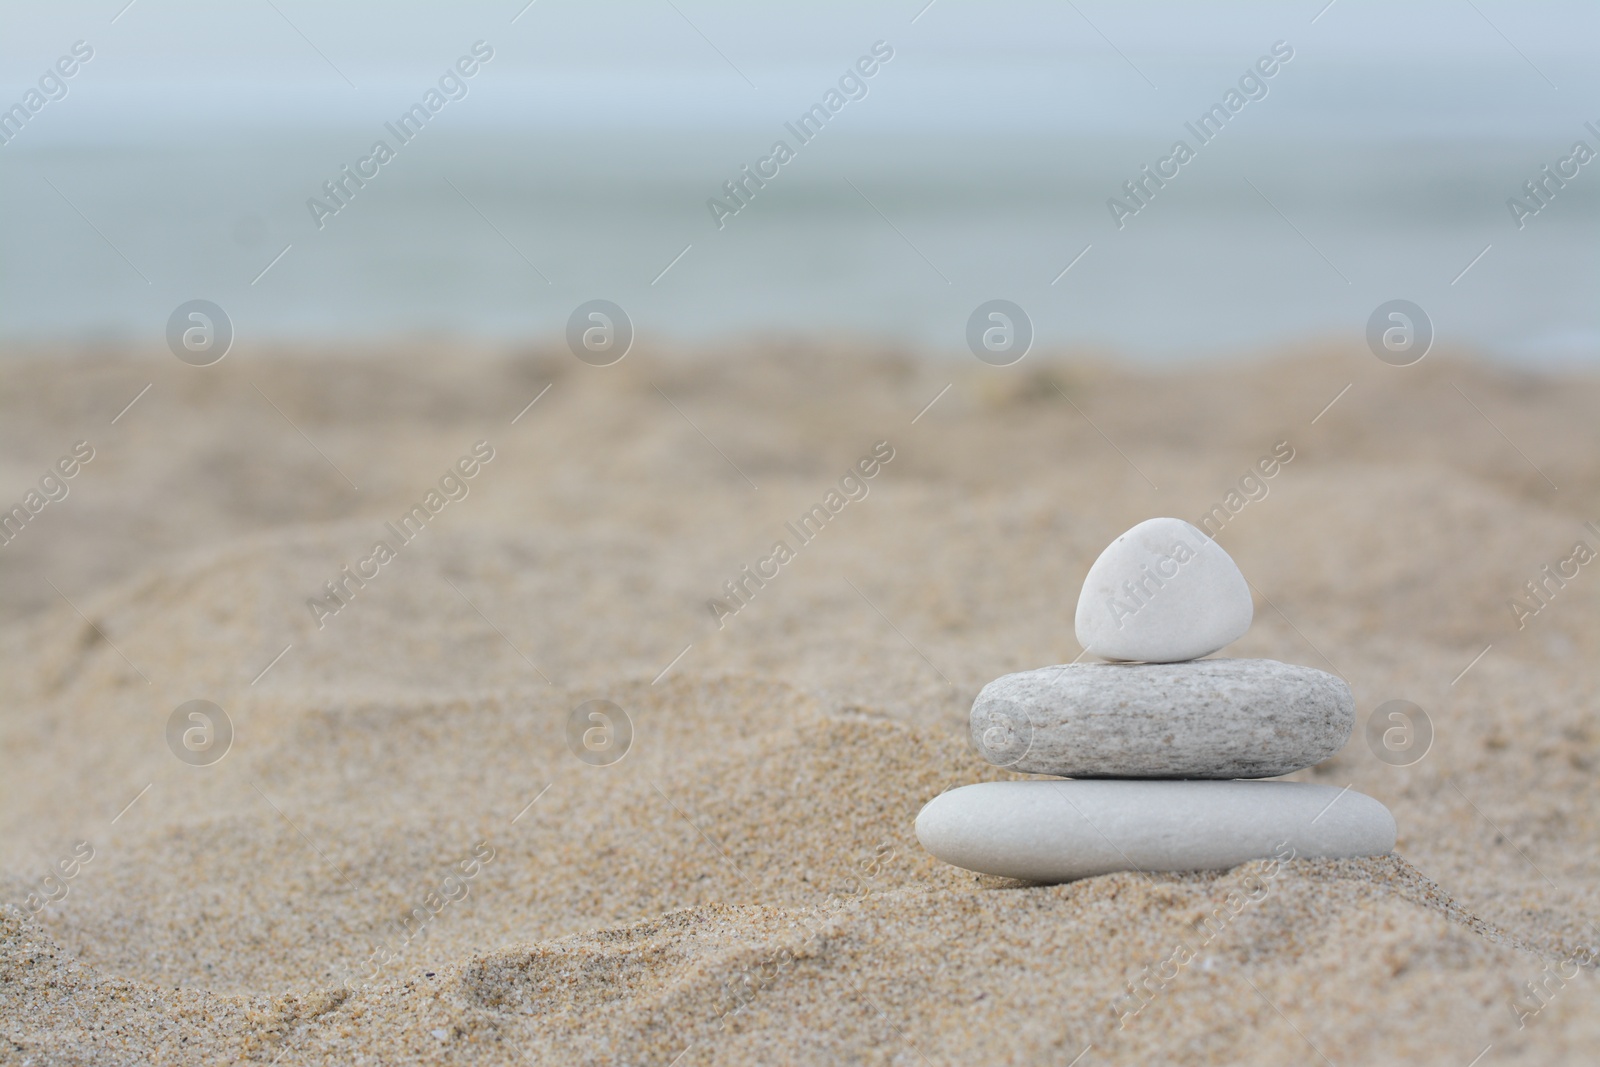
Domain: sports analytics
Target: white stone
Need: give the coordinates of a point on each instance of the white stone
(1218, 718)
(1055, 831)
(1161, 593)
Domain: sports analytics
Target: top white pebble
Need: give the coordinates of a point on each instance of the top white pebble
(1163, 592)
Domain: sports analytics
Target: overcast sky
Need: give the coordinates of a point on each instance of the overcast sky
(1487, 63)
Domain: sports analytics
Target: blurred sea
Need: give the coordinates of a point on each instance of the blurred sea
(975, 167)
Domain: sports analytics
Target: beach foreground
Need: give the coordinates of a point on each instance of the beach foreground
(412, 851)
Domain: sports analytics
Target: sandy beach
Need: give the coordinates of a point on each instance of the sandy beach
(402, 859)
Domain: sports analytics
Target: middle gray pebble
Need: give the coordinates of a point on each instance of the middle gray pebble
(1216, 718)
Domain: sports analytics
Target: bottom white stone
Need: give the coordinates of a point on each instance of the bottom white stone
(1060, 830)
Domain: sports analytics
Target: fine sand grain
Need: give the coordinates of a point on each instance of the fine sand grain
(744, 886)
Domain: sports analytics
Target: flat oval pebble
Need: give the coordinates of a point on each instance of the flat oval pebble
(1161, 593)
(1214, 718)
(1055, 831)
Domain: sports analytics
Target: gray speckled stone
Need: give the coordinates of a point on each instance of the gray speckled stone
(1215, 718)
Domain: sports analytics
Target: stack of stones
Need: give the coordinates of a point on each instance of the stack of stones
(1159, 745)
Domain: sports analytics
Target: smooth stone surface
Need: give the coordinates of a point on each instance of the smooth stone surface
(1161, 593)
(1215, 718)
(1057, 831)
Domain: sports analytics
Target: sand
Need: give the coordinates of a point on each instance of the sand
(744, 885)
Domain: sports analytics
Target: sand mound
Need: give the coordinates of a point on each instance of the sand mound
(402, 859)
